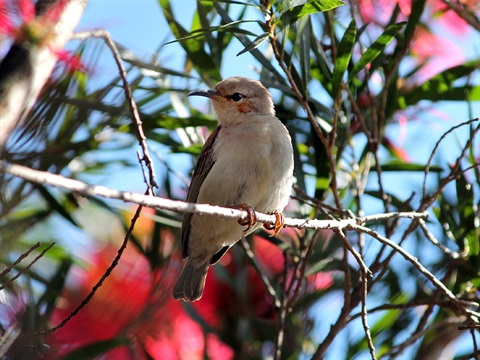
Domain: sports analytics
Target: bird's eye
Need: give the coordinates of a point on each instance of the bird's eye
(236, 97)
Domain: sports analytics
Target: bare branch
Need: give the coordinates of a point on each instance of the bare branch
(19, 260)
(102, 279)
(414, 261)
(435, 149)
(28, 266)
(434, 241)
(268, 285)
(142, 139)
(79, 187)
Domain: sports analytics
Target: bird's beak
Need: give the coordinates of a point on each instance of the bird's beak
(206, 93)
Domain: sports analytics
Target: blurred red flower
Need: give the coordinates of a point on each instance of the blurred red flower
(136, 304)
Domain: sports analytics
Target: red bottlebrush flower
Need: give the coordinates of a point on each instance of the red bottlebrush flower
(134, 303)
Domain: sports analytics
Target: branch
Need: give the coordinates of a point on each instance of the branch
(414, 261)
(142, 139)
(81, 188)
(466, 14)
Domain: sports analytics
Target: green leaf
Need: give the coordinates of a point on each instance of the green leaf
(440, 87)
(344, 55)
(376, 48)
(260, 39)
(194, 48)
(55, 205)
(322, 265)
(172, 123)
(402, 166)
(231, 27)
(267, 64)
(416, 13)
(54, 288)
(303, 39)
(302, 8)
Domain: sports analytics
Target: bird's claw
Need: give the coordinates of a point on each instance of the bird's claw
(251, 216)
(279, 222)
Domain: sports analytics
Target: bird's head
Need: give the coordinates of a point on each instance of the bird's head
(235, 97)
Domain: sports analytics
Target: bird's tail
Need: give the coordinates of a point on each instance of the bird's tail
(191, 282)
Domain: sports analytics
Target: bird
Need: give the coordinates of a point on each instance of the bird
(246, 162)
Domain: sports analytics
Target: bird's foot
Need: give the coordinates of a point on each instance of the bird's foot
(279, 222)
(251, 216)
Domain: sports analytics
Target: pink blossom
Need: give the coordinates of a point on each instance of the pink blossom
(435, 53)
(19, 22)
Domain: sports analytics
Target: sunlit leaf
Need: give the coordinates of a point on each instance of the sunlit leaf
(440, 87)
(260, 39)
(192, 46)
(344, 55)
(376, 48)
(266, 63)
(301, 8)
(403, 166)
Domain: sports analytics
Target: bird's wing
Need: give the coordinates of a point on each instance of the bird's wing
(202, 168)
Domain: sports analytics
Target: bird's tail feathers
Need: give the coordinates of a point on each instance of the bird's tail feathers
(191, 282)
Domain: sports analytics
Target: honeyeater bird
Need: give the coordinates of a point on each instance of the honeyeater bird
(247, 161)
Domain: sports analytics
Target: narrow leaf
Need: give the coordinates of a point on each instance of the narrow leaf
(440, 87)
(55, 205)
(305, 7)
(344, 55)
(409, 167)
(376, 48)
(416, 13)
(267, 64)
(260, 39)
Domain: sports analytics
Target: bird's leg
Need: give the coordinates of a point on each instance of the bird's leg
(251, 217)
(279, 222)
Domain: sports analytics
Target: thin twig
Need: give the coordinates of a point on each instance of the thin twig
(414, 261)
(419, 329)
(282, 316)
(304, 256)
(366, 328)
(414, 338)
(268, 285)
(364, 271)
(19, 260)
(414, 304)
(105, 36)
(435, 149)
(355, 253)
(468, 16)
(434, 241)
(304, 102)
(27, 267)
(100, 282)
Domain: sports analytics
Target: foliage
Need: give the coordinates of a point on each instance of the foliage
(346, 79)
